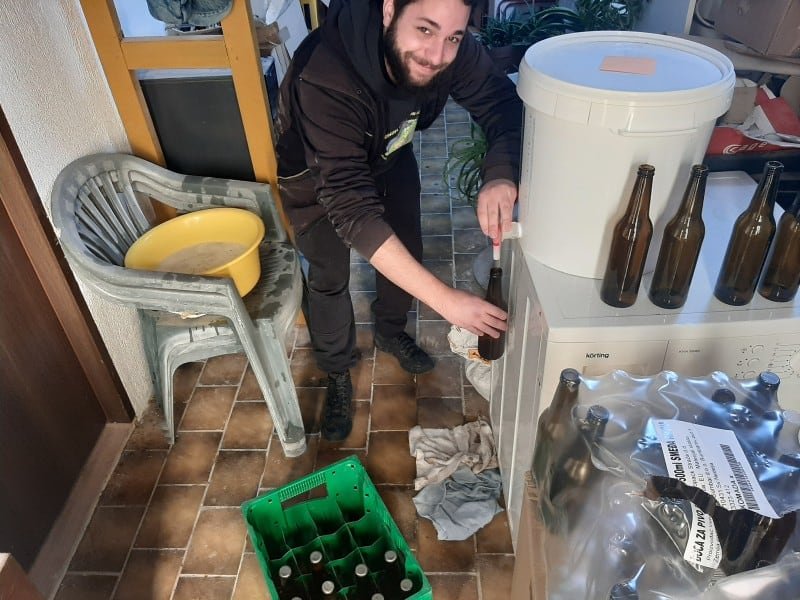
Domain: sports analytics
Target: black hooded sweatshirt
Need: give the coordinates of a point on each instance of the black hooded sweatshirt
(342, 119)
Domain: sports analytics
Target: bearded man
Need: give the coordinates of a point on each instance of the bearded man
(358, 88)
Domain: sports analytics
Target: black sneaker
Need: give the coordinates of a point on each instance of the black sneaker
(338, 419)
(403, 347)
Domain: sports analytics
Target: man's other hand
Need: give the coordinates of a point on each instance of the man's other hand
(495, 207)
(472, 313)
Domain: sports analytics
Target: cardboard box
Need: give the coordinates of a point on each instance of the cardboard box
(770, 27)
(529, 581)
(742, 104)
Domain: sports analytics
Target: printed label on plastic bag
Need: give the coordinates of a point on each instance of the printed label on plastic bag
(702, 548)
(713, 460)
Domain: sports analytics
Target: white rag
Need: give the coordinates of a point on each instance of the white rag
(439, 452)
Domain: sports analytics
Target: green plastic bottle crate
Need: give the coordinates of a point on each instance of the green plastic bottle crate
(335, 510)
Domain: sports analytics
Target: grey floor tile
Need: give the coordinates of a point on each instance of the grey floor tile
(435, 203)
(437, 247)
(436, 224)
(469, 240)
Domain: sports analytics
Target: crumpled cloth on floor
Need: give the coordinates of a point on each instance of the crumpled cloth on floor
(439, 452)
(461, 504)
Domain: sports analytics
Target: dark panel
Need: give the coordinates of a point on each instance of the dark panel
(49, 417)
(198, 122)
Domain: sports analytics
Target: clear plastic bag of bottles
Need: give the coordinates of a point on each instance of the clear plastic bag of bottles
(655, 487)
(781, 580)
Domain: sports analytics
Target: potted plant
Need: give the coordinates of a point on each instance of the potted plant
(508, 39)
(462, 171)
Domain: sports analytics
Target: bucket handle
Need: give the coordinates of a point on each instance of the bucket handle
(656, 133)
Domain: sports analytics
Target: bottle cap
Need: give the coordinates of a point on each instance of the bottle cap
(285, 572)
(769, 379)
(315, 557)
(623, 591)
(361, 570)
(390, 556)
(377, 596)
(570, 376)
(328, 587)
(773, 165)
(406, 585)
(723, 396)
(597, 415)
(646, 169)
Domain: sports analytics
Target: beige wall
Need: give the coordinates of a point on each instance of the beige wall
(56, 100)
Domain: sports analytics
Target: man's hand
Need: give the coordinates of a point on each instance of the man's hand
(495, 206)
(457, 306)
(472, 313)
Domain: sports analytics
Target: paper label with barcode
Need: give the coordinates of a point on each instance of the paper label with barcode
(713, 460)
(703, 548)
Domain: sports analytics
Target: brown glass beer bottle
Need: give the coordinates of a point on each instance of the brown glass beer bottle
(782, 273)
(749, 242)
(575, 465)
(629, 244)
(680, 246)
(555, 423)
(488, 347)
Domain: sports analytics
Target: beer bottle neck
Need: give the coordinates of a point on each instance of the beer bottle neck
(692, 205)
(639, 207)
(764, 197)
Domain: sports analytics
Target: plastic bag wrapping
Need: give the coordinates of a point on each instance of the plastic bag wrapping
(477, 371)
(613, 551)
(780, 581)
(656, 487)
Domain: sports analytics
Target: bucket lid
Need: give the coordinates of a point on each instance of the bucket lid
(630, 81)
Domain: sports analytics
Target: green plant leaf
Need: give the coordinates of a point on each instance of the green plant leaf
(464, 164)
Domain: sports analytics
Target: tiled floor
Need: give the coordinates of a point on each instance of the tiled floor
(168, 525)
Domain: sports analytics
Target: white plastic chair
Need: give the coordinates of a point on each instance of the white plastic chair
(102, 203)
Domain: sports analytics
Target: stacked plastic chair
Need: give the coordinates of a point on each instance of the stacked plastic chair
(102, 203)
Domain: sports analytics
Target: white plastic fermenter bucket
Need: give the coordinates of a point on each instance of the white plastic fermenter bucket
(597, 105)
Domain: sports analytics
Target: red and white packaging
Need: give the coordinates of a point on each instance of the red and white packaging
(772, 126)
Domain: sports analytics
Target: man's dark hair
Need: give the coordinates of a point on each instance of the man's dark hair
(400, 5)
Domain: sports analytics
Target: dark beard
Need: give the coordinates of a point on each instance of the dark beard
(398, 70)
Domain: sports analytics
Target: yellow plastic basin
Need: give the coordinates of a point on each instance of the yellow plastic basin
(219, 242)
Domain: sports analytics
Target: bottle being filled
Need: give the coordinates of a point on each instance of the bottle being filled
(749, 242)
(680, 246)
(782, 273)
(555, 425)
(629, 244)
(488, 347)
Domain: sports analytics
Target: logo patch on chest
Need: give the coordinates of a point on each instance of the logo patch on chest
(401, 136)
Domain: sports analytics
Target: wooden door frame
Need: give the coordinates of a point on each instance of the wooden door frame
(21, 201)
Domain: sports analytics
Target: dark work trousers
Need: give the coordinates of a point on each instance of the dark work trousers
(327, 305)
